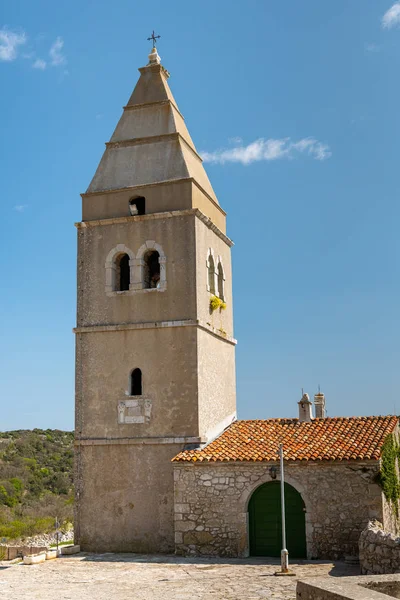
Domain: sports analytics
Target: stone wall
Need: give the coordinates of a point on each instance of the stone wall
(211, 502)
(13, 552)
(124, 496)
(349, 588)
(390, 520)
(379, 550)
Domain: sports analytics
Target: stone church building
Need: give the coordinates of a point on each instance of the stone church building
(162, 464)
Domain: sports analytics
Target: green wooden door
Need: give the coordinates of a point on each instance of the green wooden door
(265, 521)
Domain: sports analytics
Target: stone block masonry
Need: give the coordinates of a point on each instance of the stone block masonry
(13, 552)
(379, 550)
(211, 505)
(349, 588)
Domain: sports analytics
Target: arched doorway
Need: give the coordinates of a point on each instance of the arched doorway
(265, 521)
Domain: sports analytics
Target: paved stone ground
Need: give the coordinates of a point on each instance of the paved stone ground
(139, 577)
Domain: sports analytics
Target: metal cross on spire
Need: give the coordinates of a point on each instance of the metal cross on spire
(154, 38)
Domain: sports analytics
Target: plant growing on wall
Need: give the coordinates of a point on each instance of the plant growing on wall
(216, 303)
(387, 477)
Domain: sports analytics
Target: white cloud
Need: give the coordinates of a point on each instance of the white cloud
(235, 140)
(270, 149)
(39, 64)
(371, 48)
(9, 42)
(55, 53)
(391, 18)
(20, 207)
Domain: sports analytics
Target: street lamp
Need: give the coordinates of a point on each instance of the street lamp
(284, 553)
(273, 471)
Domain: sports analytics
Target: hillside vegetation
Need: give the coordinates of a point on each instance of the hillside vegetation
(36, 483)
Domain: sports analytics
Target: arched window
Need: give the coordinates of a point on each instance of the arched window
(151, 270)
(123, 277)
(119, 269)
(221, 281)
(135, 384)
(211, 274)
(151, 267)
(137, 206)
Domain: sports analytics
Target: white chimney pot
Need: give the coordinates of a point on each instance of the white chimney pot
(305, 409)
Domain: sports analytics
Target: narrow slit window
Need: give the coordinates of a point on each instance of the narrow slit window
(136, 383)
(151, 270)
(123, 273)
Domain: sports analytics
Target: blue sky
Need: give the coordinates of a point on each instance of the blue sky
(295, 105)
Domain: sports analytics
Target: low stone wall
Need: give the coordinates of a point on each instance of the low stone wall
(34, 545)
(349, 588)
(13, 552)
(211, 504)
(379, 550)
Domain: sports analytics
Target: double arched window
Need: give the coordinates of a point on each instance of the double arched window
(126, 272)
(215, 275)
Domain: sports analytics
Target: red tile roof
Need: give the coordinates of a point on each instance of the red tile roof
(338, 438)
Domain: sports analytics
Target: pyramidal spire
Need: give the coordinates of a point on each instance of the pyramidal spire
(151, 144)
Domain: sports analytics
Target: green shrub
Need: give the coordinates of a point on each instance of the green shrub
(17, 485)
(387, 477)
(36, 481)
(26, 528)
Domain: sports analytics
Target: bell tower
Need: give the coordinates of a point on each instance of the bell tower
(155, 354)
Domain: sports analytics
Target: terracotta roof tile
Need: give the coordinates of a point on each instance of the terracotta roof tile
(338, 438)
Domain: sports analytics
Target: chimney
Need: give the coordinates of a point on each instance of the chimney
(319, 403)
(305, 405)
